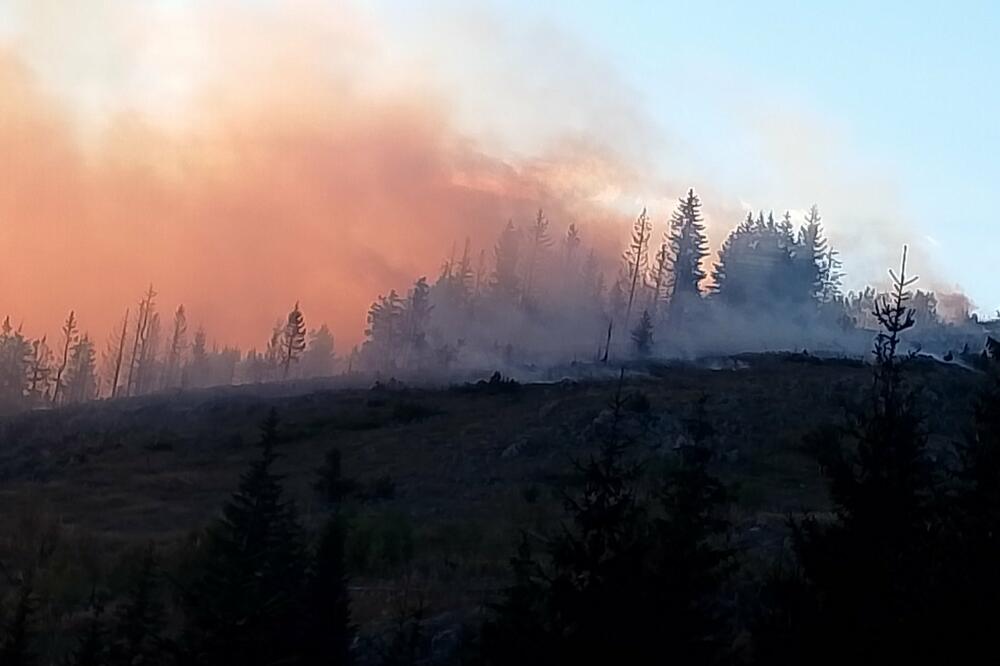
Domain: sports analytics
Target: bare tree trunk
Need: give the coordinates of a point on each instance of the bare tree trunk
(121, 355)
(69, 330)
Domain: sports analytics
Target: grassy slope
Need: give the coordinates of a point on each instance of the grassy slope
(100, 478)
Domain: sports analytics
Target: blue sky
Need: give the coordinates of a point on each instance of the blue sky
(903, 95)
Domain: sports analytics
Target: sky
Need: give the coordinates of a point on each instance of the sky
(242, 155)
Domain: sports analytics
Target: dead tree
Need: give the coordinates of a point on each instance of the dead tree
(69, 337)
(140, 340)
(119, 357)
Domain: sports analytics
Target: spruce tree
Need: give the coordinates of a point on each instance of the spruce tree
(642, 334)
(245, 606)
(630, 579)
(17, 639)
(328, 632)
(92, 644)
(136, 636)
(866, 579)
(506, 255)
(688, 249)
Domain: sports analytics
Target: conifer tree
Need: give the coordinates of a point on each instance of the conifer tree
(642, 334)
(688, 248)
(81, 373)
(866, 578)
(198, 370)
(178, 345)
(328, 629)
(628, 580)
(319, 356)
(136, 637)
(636, 258)
(293, 340)
(40, 372)
(541, 241)
(417, 316)
(92, 644)
(245, 606)
(506, 257)
(17, 639)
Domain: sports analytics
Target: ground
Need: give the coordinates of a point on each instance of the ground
(447, 478)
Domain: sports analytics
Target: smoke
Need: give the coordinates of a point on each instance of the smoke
(242, 156)
(244, 159)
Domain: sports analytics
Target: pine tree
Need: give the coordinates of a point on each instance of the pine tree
(245, 607)
(506, 256)
(17, 639)
(15, 362)
(92, 644)
(642, 334)
(136, 636)
(541, 241)
(178, 344)
(319, 356)
(293, 340)
(636, 258)
(40, 371)
(197, 375)
(811, 255)
(688, 248)
(417, 316)
(81, 373)
(140, 342)
(627, 581)
(661, 275)
(864, 591)
(385, 330)
(328, 631)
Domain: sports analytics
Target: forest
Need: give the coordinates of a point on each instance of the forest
(540, 300)
(647, 549)
(793, 507)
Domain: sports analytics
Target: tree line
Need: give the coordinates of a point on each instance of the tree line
(534, 300)
(644, 568)
(143, 356)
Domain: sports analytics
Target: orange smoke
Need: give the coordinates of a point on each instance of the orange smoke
(281, 181)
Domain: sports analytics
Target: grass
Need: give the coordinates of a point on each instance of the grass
(101, 480)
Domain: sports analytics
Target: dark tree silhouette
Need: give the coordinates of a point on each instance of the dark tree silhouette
(245, 607)
(92, 647)
(17, 639)
(293, 340)
(636, 258)
(137, 633)
(628, 581)
(506, 255)
(642, 334)
(69, 331)
(328, 630)
(864, 591)
(688, 249)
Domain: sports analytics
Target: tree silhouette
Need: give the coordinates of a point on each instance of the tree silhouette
(16, 642)
(688, 248)
(293, 340)
(69, 331)
(642, 334)
(628, 580)
(136, 638)
(245, 607)
(865, 585)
